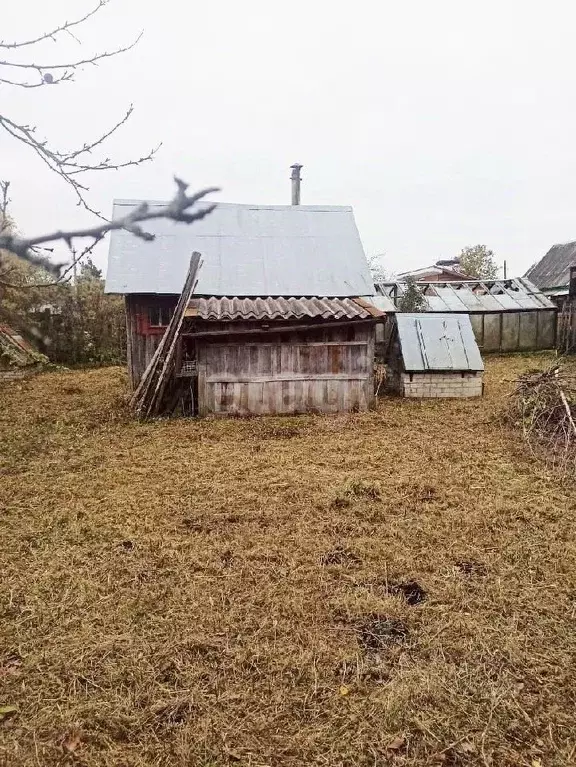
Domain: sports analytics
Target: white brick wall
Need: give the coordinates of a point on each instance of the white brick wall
(422, 385)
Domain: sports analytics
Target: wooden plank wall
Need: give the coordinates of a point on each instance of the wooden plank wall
(567, 328)
(140, 347)
(322, 371)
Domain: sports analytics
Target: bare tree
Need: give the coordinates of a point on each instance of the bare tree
(377, 269)
(20, 68)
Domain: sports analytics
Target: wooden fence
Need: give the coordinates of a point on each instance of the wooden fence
(566, 336)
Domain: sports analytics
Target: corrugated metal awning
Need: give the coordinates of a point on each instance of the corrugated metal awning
(267, 308)
(438, 342)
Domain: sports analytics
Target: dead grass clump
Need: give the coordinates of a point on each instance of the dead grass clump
(355, 489)
(377, 632)
(340, 555)
(470, 567)
(173, 712)
(269, 428)
(410, 591)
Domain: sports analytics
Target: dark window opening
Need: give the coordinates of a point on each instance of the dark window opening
(159, 316)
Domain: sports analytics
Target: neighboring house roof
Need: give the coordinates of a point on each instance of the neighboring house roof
(213, 308)
(553, 271)
(435, 269)
(438, 342)
(247, 250)
(470, 296)
(448, 262)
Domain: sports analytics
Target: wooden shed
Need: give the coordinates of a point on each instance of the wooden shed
(278, 321)
(506, 315)
(280, 356)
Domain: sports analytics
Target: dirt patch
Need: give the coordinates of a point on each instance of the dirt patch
(378, 632)
(471, 567)
(410, 591)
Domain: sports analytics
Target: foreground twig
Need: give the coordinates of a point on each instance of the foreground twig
(179, 209)
(566, 406)
(31, 70)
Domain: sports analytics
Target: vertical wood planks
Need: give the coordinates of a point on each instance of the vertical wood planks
(295, 373)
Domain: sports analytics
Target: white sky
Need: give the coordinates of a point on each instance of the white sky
(442, 123)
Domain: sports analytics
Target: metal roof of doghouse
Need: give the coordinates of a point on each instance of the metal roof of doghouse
(247, 250)
(438, 342)
(470, 297)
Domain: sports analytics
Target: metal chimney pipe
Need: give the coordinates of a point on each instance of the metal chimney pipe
(295, 177)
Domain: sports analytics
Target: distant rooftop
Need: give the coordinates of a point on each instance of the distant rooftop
(553, 270)
(446, 266)
(247, 250)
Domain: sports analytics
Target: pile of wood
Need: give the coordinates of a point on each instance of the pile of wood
(159, 391)
(544, 405)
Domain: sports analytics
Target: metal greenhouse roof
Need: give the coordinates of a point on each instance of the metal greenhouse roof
(473, 295)
(247, 250)
(213, 308)
(438, 342)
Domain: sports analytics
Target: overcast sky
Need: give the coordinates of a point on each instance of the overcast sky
(442, 123)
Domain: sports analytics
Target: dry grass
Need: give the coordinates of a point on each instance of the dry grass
(218, 593)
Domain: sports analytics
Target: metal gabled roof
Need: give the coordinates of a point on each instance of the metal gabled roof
(247, 250)
(438, 342)
(553, 269)
(474, 295)
(267, 308)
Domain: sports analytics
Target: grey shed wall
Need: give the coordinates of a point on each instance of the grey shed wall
(515, 331)
(321, 370)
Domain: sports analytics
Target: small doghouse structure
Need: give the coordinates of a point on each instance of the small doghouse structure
(256, 356)
(434, 355)
(506, 315)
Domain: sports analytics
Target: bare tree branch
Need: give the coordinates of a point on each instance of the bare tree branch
(179, 209)
(80, 63)
(66, 164)
(4, 202)
(52, 34)
(62, 163)
(44, 80)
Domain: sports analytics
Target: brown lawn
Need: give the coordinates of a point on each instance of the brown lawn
(200, 594)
